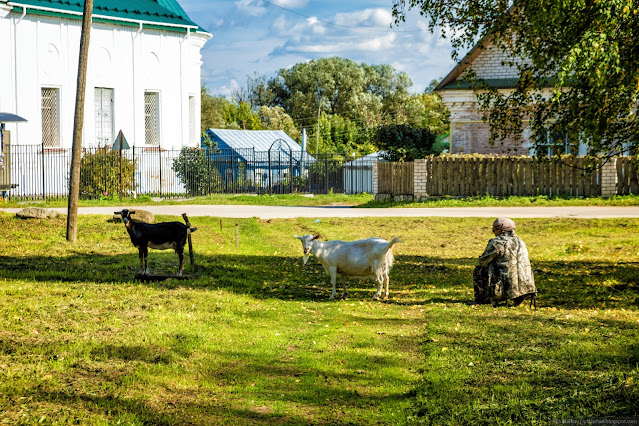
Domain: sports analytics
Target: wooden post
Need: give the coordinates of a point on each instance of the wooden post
(121, 136)
(78, 121)
(237, 235)
(191, 256)
(220, 224)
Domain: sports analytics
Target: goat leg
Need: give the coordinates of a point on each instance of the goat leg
(343, 280)
(180, 254)
(333, 272)
(386, 281)
(143, 253)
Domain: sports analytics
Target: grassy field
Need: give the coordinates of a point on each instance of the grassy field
(251, 337)
(357, 200)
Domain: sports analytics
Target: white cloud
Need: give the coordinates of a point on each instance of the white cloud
(251, 7)
(290, 3)
(365, 18)
(341, 45)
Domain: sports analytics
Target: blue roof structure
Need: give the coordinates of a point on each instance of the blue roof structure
(258, 140)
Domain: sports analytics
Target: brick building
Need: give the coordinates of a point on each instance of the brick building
(468, 133)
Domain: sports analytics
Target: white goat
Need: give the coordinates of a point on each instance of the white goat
(368, 258)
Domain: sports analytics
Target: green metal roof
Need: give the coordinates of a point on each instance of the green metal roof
(163, 13)
(494, 83)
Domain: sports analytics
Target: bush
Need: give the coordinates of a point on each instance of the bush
(100, 174)
(196, 171)
(404, 143)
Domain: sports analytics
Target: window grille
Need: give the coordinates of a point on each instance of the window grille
(103, 116)
(50, 117)
(151, 121)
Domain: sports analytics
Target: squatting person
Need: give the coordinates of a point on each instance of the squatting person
(503, 271)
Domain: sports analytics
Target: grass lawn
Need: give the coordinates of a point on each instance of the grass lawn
(356, 200)
(251, 337)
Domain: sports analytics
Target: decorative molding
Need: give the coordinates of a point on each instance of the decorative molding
(4, 10)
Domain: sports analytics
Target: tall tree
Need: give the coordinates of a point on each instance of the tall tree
(275, 118)
(212, 110)
(577, 61)
(339, 86)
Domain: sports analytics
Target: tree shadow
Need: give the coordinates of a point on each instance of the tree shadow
(413, 280)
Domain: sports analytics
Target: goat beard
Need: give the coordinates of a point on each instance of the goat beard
(305, 258)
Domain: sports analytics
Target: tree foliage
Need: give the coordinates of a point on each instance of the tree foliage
(275, 118)
(580, 69)
(401, 142)
(100, 174)
(362, 93)
(195, 171)
(345, 100)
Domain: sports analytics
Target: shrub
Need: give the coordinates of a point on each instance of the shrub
(100, 174)
(404, 143)
(196, 171)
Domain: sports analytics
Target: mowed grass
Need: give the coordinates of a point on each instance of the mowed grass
(251, 337)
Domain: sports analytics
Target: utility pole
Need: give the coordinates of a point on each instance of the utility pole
(78, 121)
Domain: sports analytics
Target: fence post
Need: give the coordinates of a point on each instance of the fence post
(43, 173)
(375, 179)
(160, 157)
(609, 178)
(419, 179)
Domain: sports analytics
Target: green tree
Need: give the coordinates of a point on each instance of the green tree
(404, 143)
(583, 52)
(362, 93)
(241, 116)
(339, 135)
(275, 118)
(212, 110)
(424, 110)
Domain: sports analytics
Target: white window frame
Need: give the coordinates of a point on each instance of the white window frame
(100, 138)
(55, 143)
(148, 139)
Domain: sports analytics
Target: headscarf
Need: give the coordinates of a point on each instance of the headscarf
(503, 224)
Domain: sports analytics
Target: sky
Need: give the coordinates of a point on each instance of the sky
(260, 36)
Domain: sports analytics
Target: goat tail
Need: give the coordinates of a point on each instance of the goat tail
(395, 241)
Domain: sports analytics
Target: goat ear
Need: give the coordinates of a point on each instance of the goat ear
(133, 212)
(297, 236)
(117, 212)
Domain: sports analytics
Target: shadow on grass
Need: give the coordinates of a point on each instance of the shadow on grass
(529, 368)
(414, 279)
(217, 386)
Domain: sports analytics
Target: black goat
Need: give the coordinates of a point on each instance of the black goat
(161, 236)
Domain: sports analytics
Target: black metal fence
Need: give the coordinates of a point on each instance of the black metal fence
(38, 173)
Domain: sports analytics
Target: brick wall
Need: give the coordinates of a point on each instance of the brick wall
(609, 178)
(420, 178)
(472, 138)
(488, 64)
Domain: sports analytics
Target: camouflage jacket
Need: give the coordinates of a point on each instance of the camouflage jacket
(506, 258)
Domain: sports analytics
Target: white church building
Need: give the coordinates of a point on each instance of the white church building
(143, 73)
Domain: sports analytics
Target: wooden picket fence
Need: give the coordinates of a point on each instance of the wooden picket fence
(395, 178)
(504, 176)
(627, 179)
